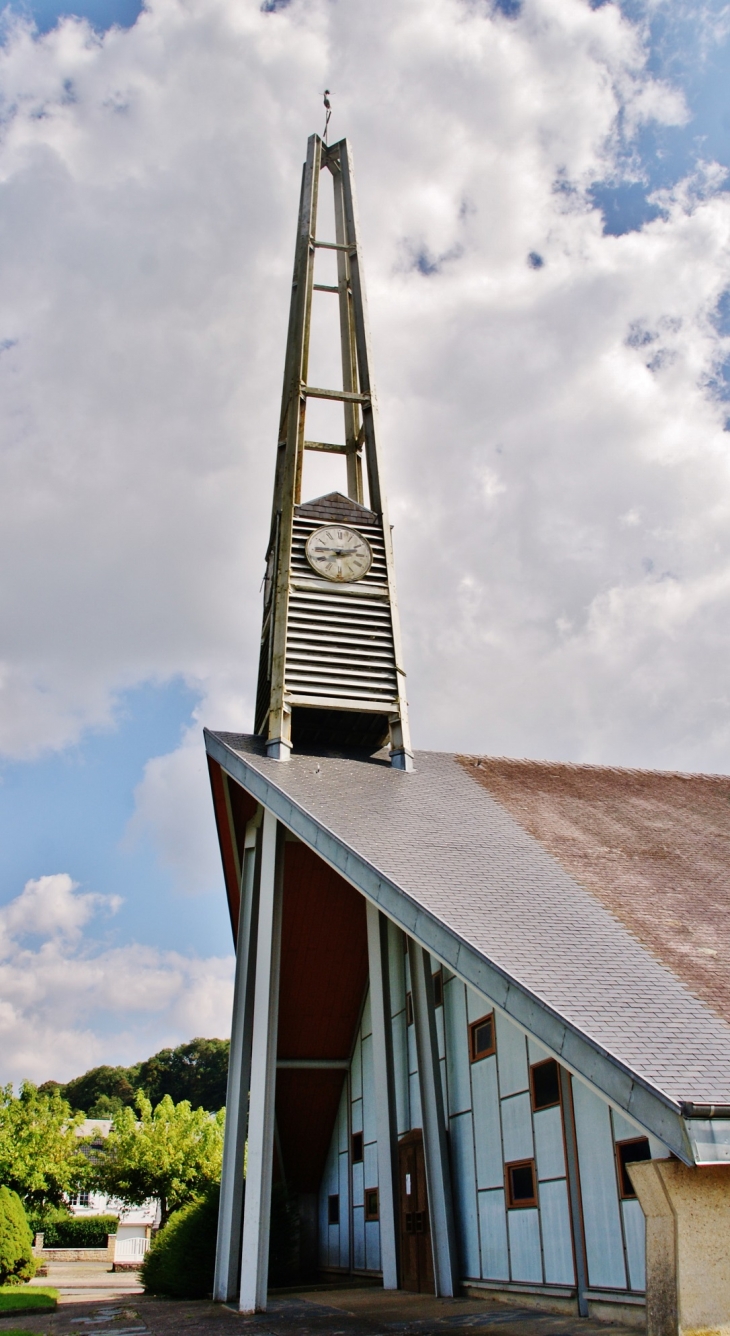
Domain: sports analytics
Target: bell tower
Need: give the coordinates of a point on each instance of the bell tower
(330, 671)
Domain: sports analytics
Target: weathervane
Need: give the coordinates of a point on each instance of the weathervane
(328, 109)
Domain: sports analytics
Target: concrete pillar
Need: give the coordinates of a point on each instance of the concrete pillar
(435, 1147)
(257, 1197)
(384, 1093)
(687, 1210)
(228, 1246)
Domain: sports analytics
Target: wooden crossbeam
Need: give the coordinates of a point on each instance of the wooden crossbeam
(327, 446)
(342, 396)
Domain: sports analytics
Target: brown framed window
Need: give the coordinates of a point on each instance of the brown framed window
(545, 1084)
(371, 1204)
(482, 1038)
(409, 1009)
(357, 1149)
(521, 1183)
(628, 1152)
(333, 1209)
(438, 988)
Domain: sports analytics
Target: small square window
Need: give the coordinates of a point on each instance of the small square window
(545, 1084)
(438, 988)
(409, 1009)
(333, 1210)
(481, 1038)
(357, 1148)
(371, 1204)
(628, 1152)
(521, 1184)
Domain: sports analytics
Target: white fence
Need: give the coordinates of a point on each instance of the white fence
(130, 1250)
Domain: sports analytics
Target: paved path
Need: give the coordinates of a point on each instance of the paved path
(96, 1302)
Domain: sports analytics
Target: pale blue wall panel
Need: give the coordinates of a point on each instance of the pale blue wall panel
(372, 1245)
(549, 1147)
(440, 1037)
(602, 1223)
(342, 1119)
(367, 1024)
(511, 1057)
(465, 1193)
(444, 1089)
(623, 1130)
(557, 1244)
(535, 1051)
(457, 1046)
(368, 1090)
(371, 1165)
(476, 1006)
(344, 1210)
(358, 1238)
(524, 1245)
(333, 1251)
(635, 1235)
(400, 1069)
(487, 1131)
(412, 1054)
(493, 1231)
(397, 963)
(356, 1070)
(517, 1128)
(414, 1092)
(358, 1178)
(328, 1186)
(357, 1115)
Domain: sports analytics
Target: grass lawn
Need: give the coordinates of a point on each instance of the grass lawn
(27, 1299)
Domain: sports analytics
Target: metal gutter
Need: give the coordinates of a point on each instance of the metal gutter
(583, 1056)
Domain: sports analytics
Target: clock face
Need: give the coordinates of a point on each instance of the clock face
(339, 553)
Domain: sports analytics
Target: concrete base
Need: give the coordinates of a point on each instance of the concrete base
(687, 1211)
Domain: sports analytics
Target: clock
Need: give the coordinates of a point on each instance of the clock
(339, 553)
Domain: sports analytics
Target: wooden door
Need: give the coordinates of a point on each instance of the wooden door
(415, 1231)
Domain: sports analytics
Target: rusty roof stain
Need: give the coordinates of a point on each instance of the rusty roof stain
(653, 848)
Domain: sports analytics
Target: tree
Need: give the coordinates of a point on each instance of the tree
(102, 1083)
(197, 1071)
(16, 1243)
(171, 1152)
(40, 1154)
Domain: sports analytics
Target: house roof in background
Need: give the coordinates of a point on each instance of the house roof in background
(451, 864)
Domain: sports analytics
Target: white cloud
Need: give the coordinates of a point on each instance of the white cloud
(70, 1002)
(149, 186)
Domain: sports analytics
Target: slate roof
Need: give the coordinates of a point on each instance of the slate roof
(462, 860)
(652, 847)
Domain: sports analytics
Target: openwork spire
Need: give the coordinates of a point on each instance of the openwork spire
(331, 672)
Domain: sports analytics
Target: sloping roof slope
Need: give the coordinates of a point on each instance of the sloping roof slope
(652, 847)
(452, 850)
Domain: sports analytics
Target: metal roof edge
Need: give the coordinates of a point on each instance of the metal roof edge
(587, 1059)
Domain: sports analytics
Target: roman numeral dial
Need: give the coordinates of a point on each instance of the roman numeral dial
(339, 553)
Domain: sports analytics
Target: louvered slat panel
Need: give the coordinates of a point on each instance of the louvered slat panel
(339, 640)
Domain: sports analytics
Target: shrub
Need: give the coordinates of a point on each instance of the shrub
(181, 1260)
(16, 1244)
(81, 1231)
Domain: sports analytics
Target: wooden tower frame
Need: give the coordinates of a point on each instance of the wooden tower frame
(331, 661)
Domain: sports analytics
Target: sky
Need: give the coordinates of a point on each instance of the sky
(545, 216)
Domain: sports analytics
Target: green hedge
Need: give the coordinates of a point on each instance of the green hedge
(80, 1231)
(16, 1243)
(181, 1261)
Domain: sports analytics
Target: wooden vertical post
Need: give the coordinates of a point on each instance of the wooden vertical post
(435, 1147)
(257, 1198)
(576, 1205)
(384, 1093)
(228, 1246)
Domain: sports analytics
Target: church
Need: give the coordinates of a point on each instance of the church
(481, 1013)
